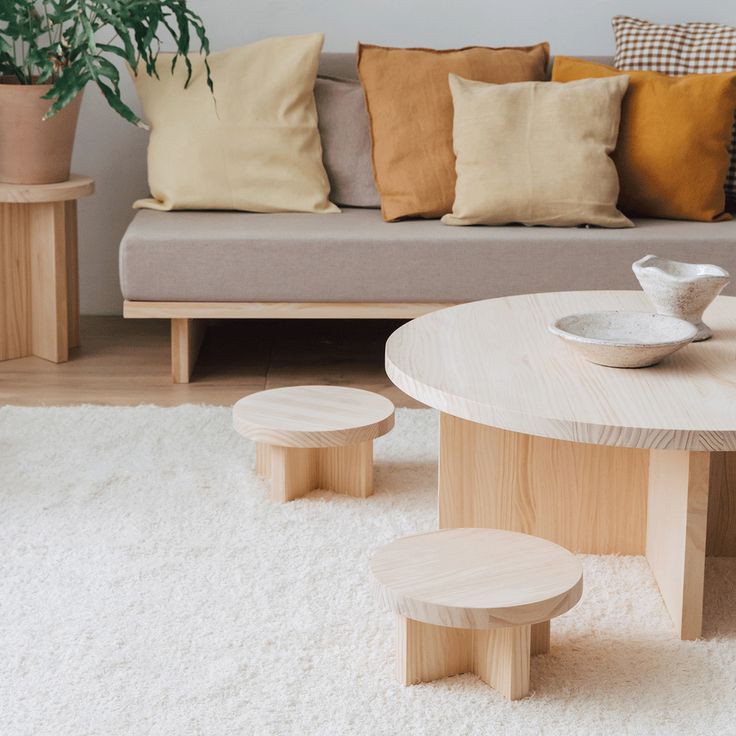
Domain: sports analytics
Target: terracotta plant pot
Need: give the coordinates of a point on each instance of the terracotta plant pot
(34, 150)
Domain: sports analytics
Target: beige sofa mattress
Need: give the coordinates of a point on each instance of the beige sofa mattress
(356, 256)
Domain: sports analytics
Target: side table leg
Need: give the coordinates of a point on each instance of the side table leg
(501, 657)
(677, 516)
(294, 472)
(72, 273)
(15, 280)
(540, 638)
(347, 469)
(49, 326)
(426, 652)
(263, 460)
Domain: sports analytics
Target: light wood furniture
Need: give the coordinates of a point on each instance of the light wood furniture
(310, 437)
(189, 319)
(601, 460)
(474, 600)
(39, 288)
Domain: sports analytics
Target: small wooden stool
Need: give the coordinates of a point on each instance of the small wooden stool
(311, 437)
(474, 600)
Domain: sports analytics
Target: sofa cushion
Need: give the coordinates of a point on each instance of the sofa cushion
(410, 108)
(346, 142)
(672, 154)
(254, 146)
(678, 48)
(536, 152)
(234, 256)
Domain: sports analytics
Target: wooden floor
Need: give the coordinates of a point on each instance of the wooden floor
(128, 362)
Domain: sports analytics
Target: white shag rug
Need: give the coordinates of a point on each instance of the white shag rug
(148, 587)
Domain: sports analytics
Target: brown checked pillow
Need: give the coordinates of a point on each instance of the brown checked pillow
(410, 109)
(678, 49)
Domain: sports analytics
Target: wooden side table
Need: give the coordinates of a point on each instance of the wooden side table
(474, 600)
(310, 437)
(39, 285)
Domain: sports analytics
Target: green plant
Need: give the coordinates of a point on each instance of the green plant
(68, 43)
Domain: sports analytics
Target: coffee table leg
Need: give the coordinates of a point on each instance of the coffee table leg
(588, 498)
(677, 517)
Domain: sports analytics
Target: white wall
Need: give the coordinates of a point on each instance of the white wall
(113, 152)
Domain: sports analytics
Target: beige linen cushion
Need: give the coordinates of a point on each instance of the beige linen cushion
(536, 153)
(254, 147)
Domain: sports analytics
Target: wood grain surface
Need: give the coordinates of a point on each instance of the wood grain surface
(76, 187)
(476, 578)
(587, 498)
(494, 362)
(313, 416)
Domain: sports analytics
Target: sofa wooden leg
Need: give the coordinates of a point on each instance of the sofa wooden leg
(186, 340)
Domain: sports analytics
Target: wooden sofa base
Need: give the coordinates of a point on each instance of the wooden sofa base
(189, 319)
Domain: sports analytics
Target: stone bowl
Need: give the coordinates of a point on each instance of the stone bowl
(624, 339)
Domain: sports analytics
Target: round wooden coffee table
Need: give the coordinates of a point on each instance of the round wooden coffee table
(474, 600)
(310, 437)
(533, 438)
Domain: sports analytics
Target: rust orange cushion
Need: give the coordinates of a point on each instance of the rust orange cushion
(673, 148)
(410, 108)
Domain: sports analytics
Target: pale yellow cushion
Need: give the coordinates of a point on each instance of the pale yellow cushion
(254, 147)
(536, 153)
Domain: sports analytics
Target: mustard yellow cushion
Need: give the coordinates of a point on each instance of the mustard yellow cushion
(536, 153)
(254, 147)
(673, 150)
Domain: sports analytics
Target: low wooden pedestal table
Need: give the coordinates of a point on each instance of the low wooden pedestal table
(474, 600)
(39, 287)
(533, 438)
(311, 437)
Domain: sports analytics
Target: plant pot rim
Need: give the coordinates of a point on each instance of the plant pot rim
(7, 80)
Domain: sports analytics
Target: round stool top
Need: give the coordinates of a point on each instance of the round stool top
(313, 416)
(477, 578)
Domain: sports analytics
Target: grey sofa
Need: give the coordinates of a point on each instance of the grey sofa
(192, 266)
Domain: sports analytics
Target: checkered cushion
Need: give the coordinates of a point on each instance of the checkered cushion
(682, 48)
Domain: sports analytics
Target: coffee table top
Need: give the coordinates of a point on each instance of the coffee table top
(313, 416)
(494, 362)
(477, 578)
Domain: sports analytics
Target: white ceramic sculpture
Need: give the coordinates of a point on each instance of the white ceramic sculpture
(624, 339)
(681, 290)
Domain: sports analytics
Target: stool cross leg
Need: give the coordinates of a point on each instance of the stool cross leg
(474, 600)
(500, 657)
(295, 471)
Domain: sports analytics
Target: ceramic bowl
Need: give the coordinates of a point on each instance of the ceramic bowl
(624, 339)
(680, 289)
